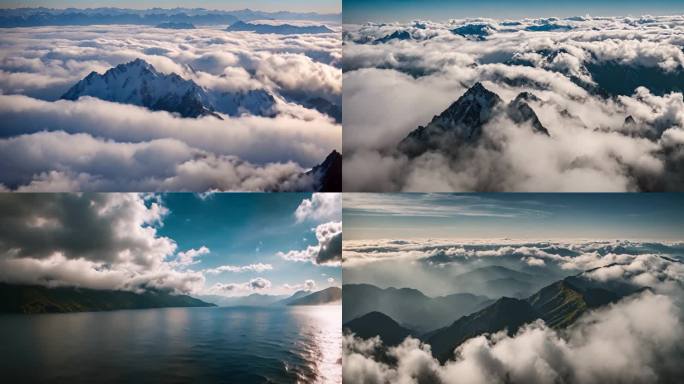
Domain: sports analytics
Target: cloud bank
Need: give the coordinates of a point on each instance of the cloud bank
(608, 90)
(94, 145)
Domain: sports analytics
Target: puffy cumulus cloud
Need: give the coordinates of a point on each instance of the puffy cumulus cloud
(328, 251)
(188, 257)
(101, 241)
(258, 268)
(637, 340)
(307, 285)
(127, 148)
(239, 289)
(321, 206)
(608, 92)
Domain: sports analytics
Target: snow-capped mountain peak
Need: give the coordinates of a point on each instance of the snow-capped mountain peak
(139, 83)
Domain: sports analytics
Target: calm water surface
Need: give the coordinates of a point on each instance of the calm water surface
(231, 345)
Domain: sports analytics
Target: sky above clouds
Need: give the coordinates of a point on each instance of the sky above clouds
(361, 11)
(221, 244)
(319, 6)
(514, 216)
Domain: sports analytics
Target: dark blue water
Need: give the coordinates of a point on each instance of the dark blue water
(177, 345)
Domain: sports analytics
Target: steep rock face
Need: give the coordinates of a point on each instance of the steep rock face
(139, 83)
(521, 112)
(328, 175)
(463, 121)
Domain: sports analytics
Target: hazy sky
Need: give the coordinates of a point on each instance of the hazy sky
(243, 229)
(516, 216)
(320, 6)
(359, 11)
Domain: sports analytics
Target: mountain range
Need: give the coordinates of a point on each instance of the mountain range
(408, 306)
(326, 296)
(139, 83)
(331, 295)
(463, 121)
(328, 175)
(278, 29)
(31, 299)
(559, 304)
(41, 16)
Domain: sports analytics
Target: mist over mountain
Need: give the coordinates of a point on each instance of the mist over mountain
(622, 298)
(408, 306)
(515, 105)
(331, 295)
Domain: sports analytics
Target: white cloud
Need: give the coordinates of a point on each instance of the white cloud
(321, 206)
(258, 268)
(328, 251)
(392, 88)
(186, 258)
(127, 148)
(101, 241)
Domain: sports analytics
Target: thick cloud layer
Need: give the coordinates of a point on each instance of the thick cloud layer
(90, 144)
(441, 267)
(609, 94)
(636, 340)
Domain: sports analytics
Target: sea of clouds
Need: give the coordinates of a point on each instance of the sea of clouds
(392, 87)
(48, 144)
(636, 340)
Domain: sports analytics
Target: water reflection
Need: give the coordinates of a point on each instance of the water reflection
(245, 345)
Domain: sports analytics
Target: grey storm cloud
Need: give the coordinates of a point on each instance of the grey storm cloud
(94, 145)
(391, 88)
(328, 251)
(102, 241)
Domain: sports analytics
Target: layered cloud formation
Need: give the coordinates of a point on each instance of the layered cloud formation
(637, 339)
(608, 90)
(91, 144)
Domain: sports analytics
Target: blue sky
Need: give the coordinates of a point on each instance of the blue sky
(242, 229)
(320, 6)
(359, 11)
(518, 216)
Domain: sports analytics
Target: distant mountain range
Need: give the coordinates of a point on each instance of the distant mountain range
(463, 121)
(559, 304)
(325, 296)
(31, 299)
(279, 29)
(408, 306)
(179, 25)
(39, 16)
(139, 83)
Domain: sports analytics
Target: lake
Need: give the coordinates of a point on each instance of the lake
(219, 344)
